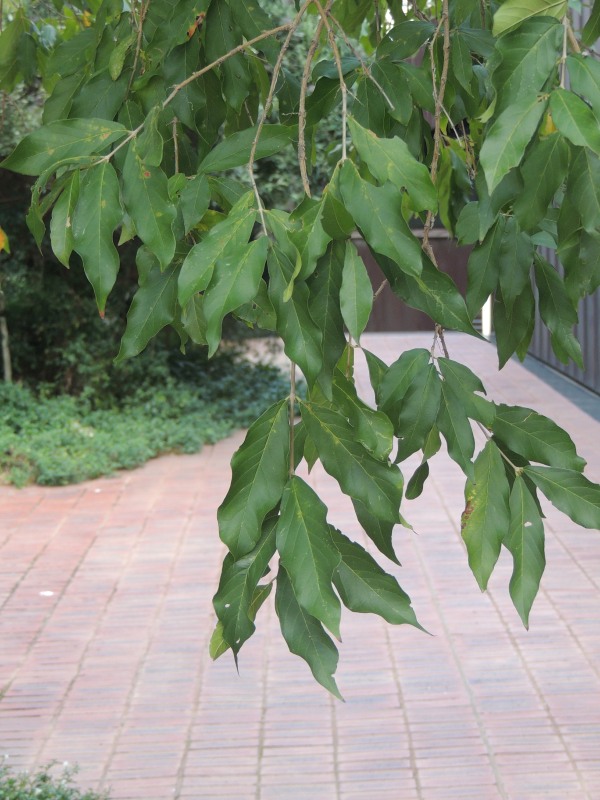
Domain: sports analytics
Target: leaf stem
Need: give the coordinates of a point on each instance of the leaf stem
(325, 15)
(563, 60)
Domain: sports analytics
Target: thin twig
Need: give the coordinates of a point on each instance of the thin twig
(377, 21)
(572, 38)
(565, 50)
(302, 103)
(382, 286)
(138, 44)
(291, 28)
(175, 144)
(325, 14)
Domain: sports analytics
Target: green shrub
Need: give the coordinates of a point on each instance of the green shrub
(43, 785)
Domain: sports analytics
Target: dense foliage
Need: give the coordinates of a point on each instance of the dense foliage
(44, 784)
(482, 115)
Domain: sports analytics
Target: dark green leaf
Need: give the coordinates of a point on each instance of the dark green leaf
(307, 553)
(514, 326)
(536, 437)
(96, 216)
(483, 267)
(365, 588)
(485, 520)
(591, 29)
(575, 119)
(379, 531)
(356, 293)
(557, 311)
(305, 635)
(259, 475)
(584, 76)
(373, 428)
(234, 151)
(397, 379)
(464, 383)
(61, 226)
(419, 412)
(570, 492)
(195, 199)
(515, 261)
(525, 541)
(583, 187)
(543, 171)
(414, 487)
(360, 475)
(455, 427)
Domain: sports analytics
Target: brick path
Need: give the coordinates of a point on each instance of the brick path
(105, 617)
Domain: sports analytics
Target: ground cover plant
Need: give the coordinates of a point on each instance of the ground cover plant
(44, 784)
(480, 115)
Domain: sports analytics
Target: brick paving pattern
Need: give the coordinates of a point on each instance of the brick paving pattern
(105, 618)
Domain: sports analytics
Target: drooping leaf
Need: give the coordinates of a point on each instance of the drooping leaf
(543, 171)
(513, 12)
(397, 379)
(195, 199)
(223, 35)
(583, 187)
(152, 308)
(259, 473)
(379, 531)
(485, 520)
(234, 151)
(360, 475)
(514, 326)
(301, 336)
(575, 119)
(557, 311)
(57, 141)
(373, 428)
(235, 281)
(237, 586)
(366, 588)
(464, 384)
(418, 412)
(304, 635)
(391, 160)
(483, 267)
(61, 225)
(505, 143)
(414, 488)
(146, 198)
(455, 427)
(570, 492)
(584, 77)
(307, 553)
(377, 211)
(96, 215)
(356, 293)
(591, 29)
(525, 540)
(228, 235)
(515, 261)
(536, 437)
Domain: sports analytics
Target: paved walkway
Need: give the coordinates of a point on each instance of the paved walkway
(105, 618)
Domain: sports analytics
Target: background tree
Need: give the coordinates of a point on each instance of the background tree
(485, 116)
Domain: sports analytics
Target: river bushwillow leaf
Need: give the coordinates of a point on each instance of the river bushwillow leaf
(377, 484)
(307, 553)
(304, 634)
(172, 151)
(525, 540)
(485, 519)
(259, 473)
(237, 587)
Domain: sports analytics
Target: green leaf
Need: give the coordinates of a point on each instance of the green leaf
(395, 85)
(152, 308)
(505, 143)
(405, 39)
(391, 160)
(10, 45)
(575, 119)
(483, 267)
(570, 492)
(373, 428)
(419, 411)
(485, 520)
(61, 226)
(464, 384)
(237, 587)
(591, 29)
(356, 293)
(47, 146)
(379, 531)
(378, 213)
(525, 541)
(307, 553)
(234, 151)
(398, 378)
(222, 36)
(514, 326)
(433, 292)
(146, 198)
(376, 484)
(543, 171)
(226, 237)
(194, 200)
(305, 635)
(235, 281)
(584, 77)
(324, 286)
(193, 319)
(414, 488)
(96, 216)
(536, 437)
(515, 261)
(302, 338)
(528, 57)
(583, 188)
(513, 12)
(557, 311)
(455, 427)
(259, 475)
(366, 588)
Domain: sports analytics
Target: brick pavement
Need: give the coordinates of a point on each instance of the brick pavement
(105, 618)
